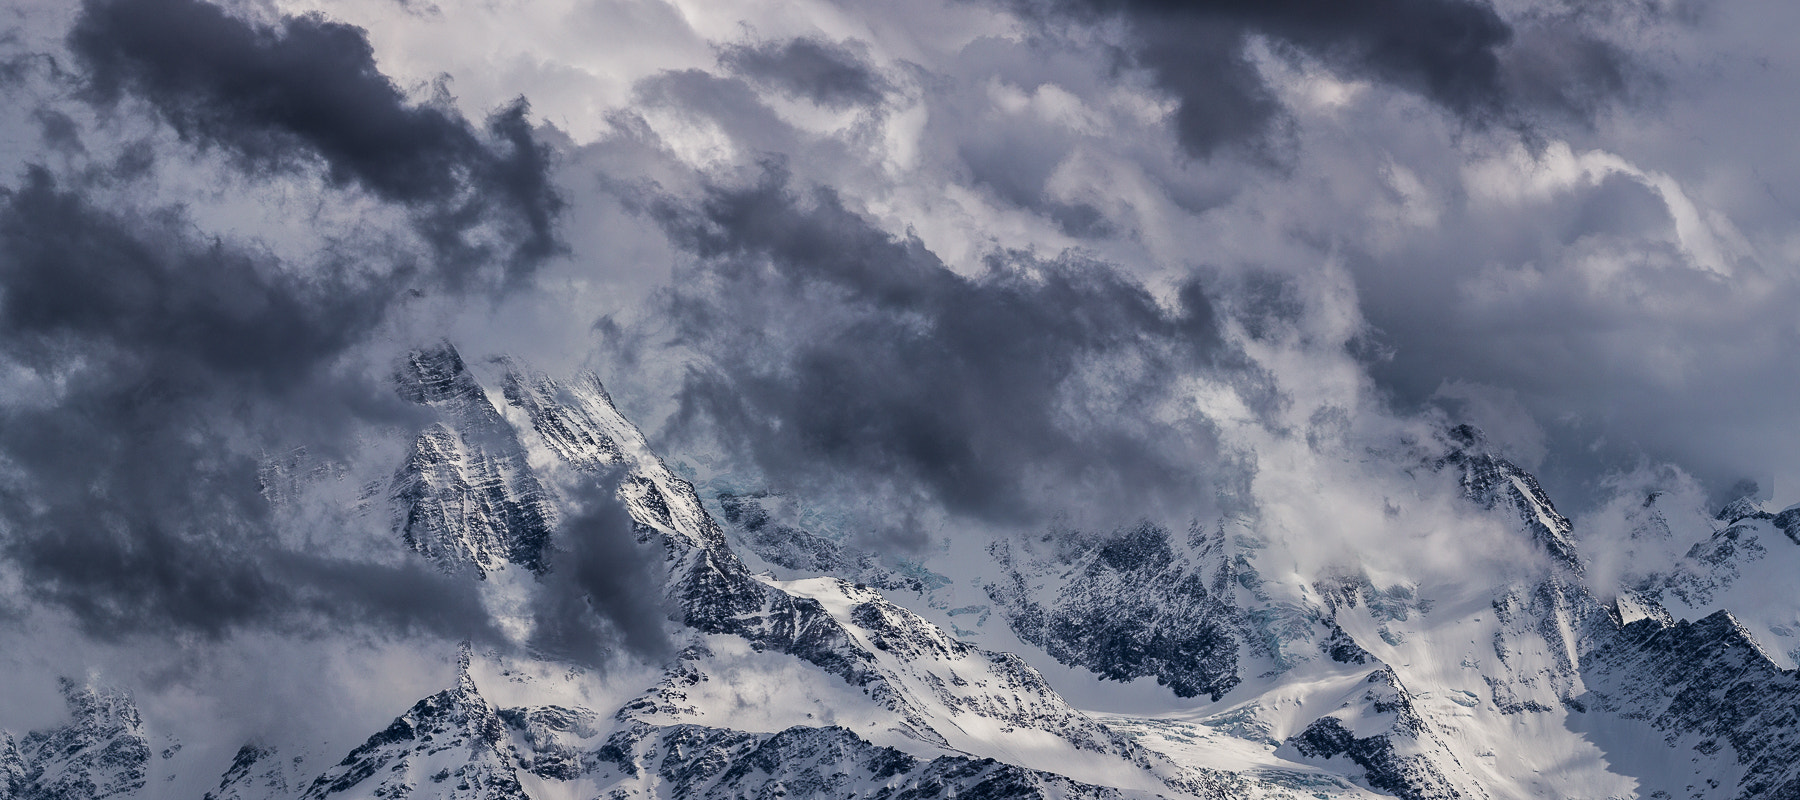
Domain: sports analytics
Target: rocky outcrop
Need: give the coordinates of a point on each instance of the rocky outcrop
(1493, 482)
(1135, 604)
(1711, 693)
(901, 662)
(451, 745)
(455, 744)
(466, 496)
(257, 771)
(12, 767)
(1788, 522)
(1540, 636)
(799, 553)
(1379, 729)
(1196, 612)
(101, 753)
(1738, 566)
(691, 761)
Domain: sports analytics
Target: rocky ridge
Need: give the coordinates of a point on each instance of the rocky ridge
(466, 495)
(933, 687)
(102, 752)
(1139, 603)
(1343, 685)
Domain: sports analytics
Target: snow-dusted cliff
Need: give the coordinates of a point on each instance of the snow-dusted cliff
(827, 676)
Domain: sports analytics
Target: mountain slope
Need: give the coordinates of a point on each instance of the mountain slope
(466, 496)
(836, 679)
(101, 753)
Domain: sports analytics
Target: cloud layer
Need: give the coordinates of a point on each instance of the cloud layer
(837, 353)
(965, 268)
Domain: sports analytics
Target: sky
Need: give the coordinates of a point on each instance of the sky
(951, 266)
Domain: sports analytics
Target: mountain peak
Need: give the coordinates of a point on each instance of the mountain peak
(102, 752)
(435, 374)
(1491, 481)
(466, 496)
(1746, 507)
(452, 745)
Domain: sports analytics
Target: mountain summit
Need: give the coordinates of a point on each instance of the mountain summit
(847, 674)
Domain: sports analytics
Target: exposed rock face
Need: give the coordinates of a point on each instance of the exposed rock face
(450, 745)
(1491, 481)
(1291, 684)
(1539, 638)
(800, 552)
(1788, 522)
(467, 497)
(784, 545)
(1342, 648)
(1398, 751)
(899, 661)
(699, 762)
(12, 767)
(1711, 693)
(1411, 777)
(1741, 509)
(1716, 563)
(257, 771)
(456, 745)
(101, 753)
(1740, 567)
(1136, 604)
(550, 737)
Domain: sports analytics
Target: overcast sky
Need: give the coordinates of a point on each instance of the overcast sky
(976, 263)
(1570, 223)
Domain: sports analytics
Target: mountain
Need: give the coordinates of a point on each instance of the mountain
(1143, 662)
(466, 495)
(102, 752)
(1140, 604)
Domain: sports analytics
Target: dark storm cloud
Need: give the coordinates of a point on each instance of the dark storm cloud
(1555, 67)
(76, 278)
(603, 588)
(1460, 54)
(1584, 313)
(58, 130)
(129, 501)
(122, 577)
(149, 365)
(308, 88)
(841, 353)
(828, 74)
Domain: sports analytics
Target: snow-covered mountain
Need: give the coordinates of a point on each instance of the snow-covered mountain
(102, 752)
(804, 666)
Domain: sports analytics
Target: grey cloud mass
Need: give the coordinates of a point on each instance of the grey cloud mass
(828, 74)
(132, 502)
(279, 97)
(1019, 265)
(602, 588)
(80, 277)
(833, 346)
(1461, 54)
(153, 366)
